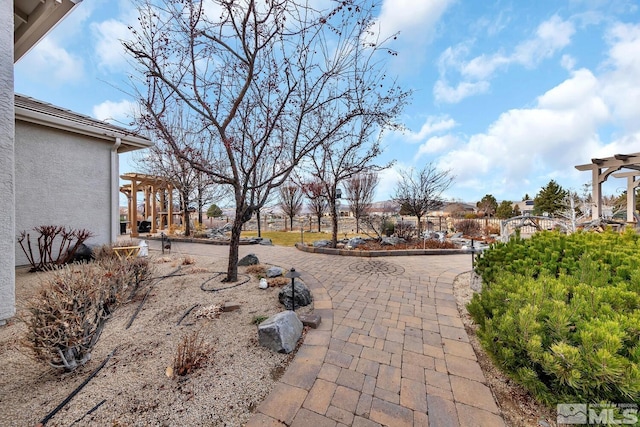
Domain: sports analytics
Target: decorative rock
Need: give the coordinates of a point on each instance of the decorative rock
(274, 272)
(230, 306)
(280, 332)
(266, 242)
(355, 242)
(250, 259)
(310, 320)
(392, 241)
(302, 295)
(321, 244)
(263, 284)
(83, 253)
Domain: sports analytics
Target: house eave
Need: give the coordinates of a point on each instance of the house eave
(130, 141)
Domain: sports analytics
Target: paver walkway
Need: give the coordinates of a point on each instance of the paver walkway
(391, 349)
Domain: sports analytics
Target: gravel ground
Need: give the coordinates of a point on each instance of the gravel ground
(133, 388)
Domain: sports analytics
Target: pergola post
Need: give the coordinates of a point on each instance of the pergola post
(170, 207)
(154, 228)
(632, 184)
(134, 210)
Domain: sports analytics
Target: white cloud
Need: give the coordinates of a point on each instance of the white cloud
(48, 55)
(389, 179)
(568, 62)
(551, 36)
(120, 112)
(433, 124)
(620, 82)
(108, 48)
(416, 19)
(559, 132)
(436, 144)
(443, 92)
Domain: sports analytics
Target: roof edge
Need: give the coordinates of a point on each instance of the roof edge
(76, 123)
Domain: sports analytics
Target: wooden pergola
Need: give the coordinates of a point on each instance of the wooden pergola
(601, 169)
(151, 186)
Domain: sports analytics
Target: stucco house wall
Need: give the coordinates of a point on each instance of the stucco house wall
(62, 178)
(7, 198)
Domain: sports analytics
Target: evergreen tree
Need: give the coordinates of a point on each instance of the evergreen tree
(214, 211)
(505, 210)
(488, 204)
(550, 199)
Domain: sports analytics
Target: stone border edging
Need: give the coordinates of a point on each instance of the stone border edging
(371, 254)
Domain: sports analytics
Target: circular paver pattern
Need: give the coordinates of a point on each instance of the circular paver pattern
(376, 267)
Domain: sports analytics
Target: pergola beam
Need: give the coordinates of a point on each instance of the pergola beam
(611, 165)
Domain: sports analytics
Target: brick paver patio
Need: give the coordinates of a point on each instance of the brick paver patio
(391, 349)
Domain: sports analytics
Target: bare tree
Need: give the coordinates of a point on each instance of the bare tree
(317, 201)
(360, 190)
(420, 192)
(265, 83)
(290, 201)
(161, 160)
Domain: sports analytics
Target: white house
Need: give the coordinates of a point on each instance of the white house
(66, 170)
(56, 167)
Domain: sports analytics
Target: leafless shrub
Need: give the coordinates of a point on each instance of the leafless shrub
(57, 246)
(468, 227)
(104, 252)
(187, 260)
(67, 316)
(258, 270)
(125, 276)
(278, 282)
(192, 352)
(405, 230)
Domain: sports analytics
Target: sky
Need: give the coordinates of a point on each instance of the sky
(507, 95)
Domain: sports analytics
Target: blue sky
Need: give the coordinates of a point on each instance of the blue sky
(508, 94)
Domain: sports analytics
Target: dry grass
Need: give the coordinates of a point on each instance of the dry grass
(191, 353)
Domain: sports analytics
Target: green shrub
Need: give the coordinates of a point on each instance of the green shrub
(561, 315)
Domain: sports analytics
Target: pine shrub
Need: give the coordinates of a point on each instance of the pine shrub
(561, 315)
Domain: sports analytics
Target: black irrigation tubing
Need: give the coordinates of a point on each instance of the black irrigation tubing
(90, 411)
(217, 274)
(50, 415)
(186, 313)
(135, 314)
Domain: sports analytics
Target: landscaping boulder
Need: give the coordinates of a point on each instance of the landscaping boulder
(302, 295)
(280, 332)
(355, 242)
(266, 242)
(83, 253)
(274, 272)
(250, 259)
(392, 241)
(322, 244)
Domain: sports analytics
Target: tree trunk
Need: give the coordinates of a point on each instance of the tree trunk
(234, 244)
(319, 223)
(357, 225)
(185, 217)
(291, 223)
(334, 224)
(258, 219)
(419, 226)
